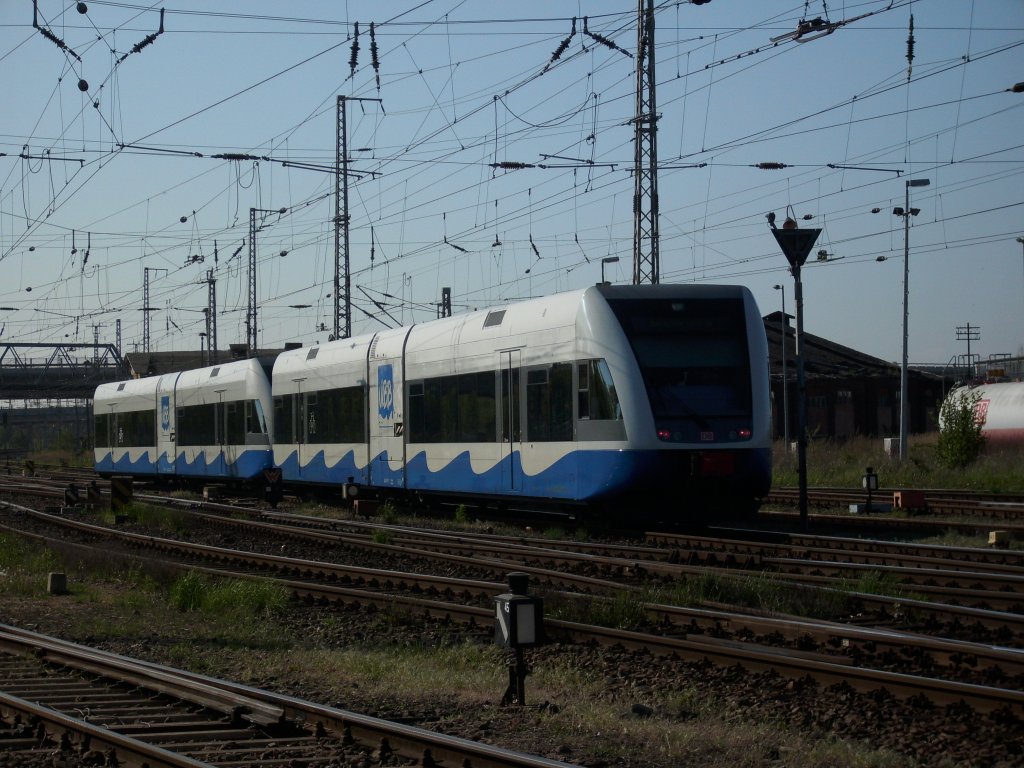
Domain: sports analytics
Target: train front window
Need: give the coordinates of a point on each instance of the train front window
(596, 398)
(693, 357)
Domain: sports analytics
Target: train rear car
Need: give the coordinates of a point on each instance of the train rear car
(210, 423)
(125, 417)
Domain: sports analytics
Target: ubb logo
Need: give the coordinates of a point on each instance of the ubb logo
(165, 412)
(385, 392)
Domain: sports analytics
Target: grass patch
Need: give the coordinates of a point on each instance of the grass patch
(683, 724)
(623, 611)
(230, 599)
(380, 536)
(175, 521)
(24, 565)
(833, 463)
(760, 591)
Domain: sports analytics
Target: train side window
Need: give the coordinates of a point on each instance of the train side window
(598, 390)
(235, 423)
(447, 388)
(549, 403)
(339, 416)
(477, 422)
(284, 406)
(101, 424)
(197, 425)
(433, 410)
(510, 427)
(416, 422)
(134, 429)
(256, 422)
(311, 417)
(583, 391)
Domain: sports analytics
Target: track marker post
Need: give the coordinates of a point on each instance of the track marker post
(519, 624)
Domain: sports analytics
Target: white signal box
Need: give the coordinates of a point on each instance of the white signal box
(520, 618)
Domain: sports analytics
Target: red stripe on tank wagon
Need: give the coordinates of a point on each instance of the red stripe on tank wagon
(1004, 436)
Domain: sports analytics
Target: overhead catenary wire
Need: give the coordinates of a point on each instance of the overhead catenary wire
(508, 212)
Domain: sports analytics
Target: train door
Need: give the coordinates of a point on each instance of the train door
(510, 410)
(386, 381)
(233, 435)
(297, 415)
(166, 435)
(305, 427)
(220, 465)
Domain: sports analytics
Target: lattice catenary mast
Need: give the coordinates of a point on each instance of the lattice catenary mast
(646, 243)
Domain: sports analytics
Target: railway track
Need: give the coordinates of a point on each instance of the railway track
(62, 702)
(985, 677)
(935, 503)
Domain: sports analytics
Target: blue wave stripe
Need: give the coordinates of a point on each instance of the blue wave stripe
(248, 465)
(577, 476)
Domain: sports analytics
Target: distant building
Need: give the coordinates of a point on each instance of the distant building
(849, 393)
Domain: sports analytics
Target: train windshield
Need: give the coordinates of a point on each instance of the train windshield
(693, 357)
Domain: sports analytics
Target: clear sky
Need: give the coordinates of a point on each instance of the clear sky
(125, 170)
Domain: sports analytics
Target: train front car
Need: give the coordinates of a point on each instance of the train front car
(649, 401)
(690, 365)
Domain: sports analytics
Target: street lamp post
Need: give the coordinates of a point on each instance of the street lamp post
(785, 377)
(1021, 241)
(796, 243)
(607, 260)
(906, 213)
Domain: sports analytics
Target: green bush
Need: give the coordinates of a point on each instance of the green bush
(231, 598)
(960, 438)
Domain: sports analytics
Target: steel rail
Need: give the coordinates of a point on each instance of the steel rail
(753, 541)
(412, 742)
(129, 751)
(983, 617)
(721, 652)
(952, 651)
(875, 522)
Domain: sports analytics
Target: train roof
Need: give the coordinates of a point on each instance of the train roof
(522, 316)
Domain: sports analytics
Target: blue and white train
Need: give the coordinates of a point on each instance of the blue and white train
(210, 423)
(651, 396)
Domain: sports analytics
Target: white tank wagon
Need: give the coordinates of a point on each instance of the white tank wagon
(1000, 408)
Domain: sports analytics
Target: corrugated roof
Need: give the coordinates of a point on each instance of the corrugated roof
(824, 358)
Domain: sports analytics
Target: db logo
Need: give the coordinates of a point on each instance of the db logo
(385, 392)
(981, 411)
